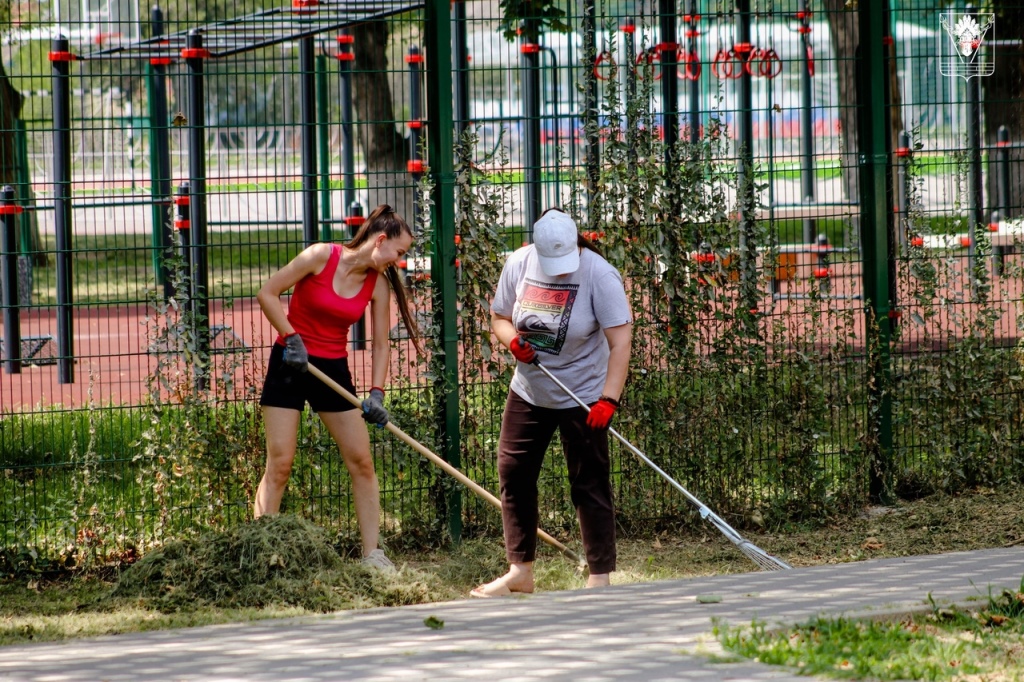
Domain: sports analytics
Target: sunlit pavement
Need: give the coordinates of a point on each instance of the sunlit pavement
(653, 631)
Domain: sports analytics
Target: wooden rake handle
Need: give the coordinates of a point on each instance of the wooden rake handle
(448, 468)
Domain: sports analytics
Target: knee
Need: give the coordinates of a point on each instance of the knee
(361, 468)
(278, 472)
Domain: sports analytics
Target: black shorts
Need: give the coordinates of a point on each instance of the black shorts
(289, 388)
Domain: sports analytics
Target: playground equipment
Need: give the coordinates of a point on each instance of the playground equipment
(300, 22)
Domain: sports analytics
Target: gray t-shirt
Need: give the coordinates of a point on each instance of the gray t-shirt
(564, 318)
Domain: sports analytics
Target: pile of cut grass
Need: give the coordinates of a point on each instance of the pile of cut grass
(273, 561)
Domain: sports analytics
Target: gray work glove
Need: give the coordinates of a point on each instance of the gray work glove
(295, 355)
(373, 408)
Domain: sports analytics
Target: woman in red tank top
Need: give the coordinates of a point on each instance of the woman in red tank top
(332, 287)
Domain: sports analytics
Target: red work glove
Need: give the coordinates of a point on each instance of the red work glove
(522, 350)
(601, 413)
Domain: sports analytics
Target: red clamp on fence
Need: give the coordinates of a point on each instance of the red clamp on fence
(414, 59)
(182, 200)
(354, 220)
(692, 33)
(822, 273)
(917, 241)
(705, 258)
(993, 227)
(902, 152)
(305, 6)
(12, 209)
(965, 241)
(691, 18)
(195, 53)
(895, 314)
(628, 28)
(888, 41)
(803, 29)
(415, 166)
(742, 47)
(415, 125)
(529, 48)
(691, 65)
(62, 57)
(345, 39)
(600, 59)
(160, 61)
(183, 224)
(346, 57)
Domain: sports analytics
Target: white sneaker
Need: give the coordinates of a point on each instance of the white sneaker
(377, 559)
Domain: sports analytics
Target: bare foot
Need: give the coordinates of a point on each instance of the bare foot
(516, 581)
(599, 580)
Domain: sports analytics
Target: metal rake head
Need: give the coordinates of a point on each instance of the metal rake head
(766, 561)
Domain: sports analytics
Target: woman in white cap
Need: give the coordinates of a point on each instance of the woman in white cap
(561, 303)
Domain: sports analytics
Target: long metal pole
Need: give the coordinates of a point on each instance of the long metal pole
(875, 174)
(348, 164)
(530, 83)
(1003, 176)
(460, 49)
(195, 54)
(440, 143)
(745, 159)
(60, 60)
(669, 49)
(806, 122)
(692, 18)
(590, 110)
(324, 151)
(307, 126)
(9, 211)
(160, 156)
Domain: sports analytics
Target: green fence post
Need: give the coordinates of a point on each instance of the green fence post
(22, 180)
(162, 235)
(440, 143)
(323, 127)
(875, 173)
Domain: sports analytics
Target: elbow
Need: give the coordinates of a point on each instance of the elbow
(263, 297)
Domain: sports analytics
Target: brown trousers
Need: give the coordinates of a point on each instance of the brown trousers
(526, 432)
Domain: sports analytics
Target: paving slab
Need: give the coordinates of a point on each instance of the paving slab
(650, 631)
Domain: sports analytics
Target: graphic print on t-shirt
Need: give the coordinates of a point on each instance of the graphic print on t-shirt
(544, 312)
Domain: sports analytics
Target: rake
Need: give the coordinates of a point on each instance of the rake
(445, 466)
(764, 560)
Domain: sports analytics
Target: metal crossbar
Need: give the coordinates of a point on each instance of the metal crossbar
(260, 29)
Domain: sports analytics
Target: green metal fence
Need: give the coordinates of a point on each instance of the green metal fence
(800, 197)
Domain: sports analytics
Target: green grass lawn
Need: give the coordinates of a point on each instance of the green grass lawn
(118, 268)
(980, 642)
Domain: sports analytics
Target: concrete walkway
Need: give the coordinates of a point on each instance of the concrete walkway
(653, 631)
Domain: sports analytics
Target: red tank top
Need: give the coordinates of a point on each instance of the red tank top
(322, 317)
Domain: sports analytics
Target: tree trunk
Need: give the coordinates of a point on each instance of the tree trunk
(1003, 101)
(385, 150)
(10, 110)
(845, 35)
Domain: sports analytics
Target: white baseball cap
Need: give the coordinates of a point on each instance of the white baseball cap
(556, 241)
